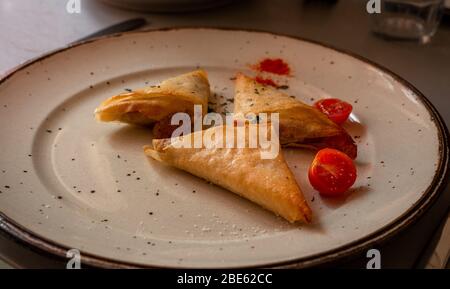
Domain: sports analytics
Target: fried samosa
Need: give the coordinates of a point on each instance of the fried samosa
(155, 105)
(300, 125)
(266, 182)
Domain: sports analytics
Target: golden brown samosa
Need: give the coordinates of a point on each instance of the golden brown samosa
(155, 105)
(300, 124)
(267, 182)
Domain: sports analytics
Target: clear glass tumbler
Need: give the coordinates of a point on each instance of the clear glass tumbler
(408, 19)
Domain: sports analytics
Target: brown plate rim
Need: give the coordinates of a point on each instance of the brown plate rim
(52, 249)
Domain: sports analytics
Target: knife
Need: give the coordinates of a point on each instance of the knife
(127, 25)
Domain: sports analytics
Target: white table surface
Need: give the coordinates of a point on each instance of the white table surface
(29, 28)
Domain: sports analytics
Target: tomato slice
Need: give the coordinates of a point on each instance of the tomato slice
(332, 172)
(337, 110)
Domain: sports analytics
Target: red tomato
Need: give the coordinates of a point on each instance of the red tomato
(337, 110)
(332, 172)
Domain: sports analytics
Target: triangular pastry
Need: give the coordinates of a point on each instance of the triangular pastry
(155, 105)
(267, 182)
(300, 124)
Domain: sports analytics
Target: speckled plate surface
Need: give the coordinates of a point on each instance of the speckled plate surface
(67, 181)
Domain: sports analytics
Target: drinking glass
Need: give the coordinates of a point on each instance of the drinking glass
(408, 19)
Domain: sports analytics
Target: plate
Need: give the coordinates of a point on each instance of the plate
(68, 181)
(166, 5)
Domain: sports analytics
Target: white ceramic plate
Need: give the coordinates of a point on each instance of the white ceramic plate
(68, 181)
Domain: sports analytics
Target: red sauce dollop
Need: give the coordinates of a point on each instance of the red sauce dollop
(266, 81)
(275, 66)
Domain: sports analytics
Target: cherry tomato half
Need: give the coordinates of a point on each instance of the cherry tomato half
(337, 110)
(332, 172)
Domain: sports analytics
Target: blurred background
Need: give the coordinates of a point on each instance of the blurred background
(412, 38)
